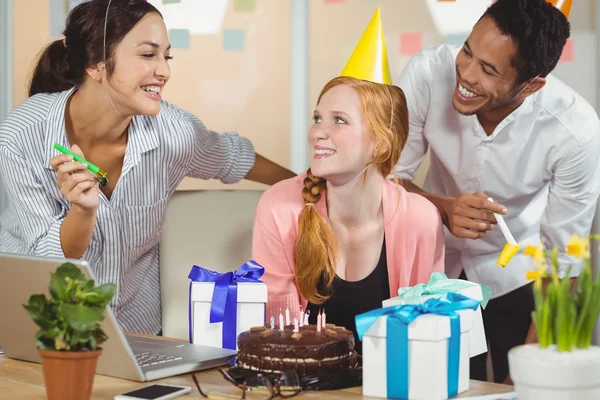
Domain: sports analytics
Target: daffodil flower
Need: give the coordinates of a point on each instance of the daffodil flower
(564, 317)
(538, 273)
(539, 261)
(578, 247)
(538, 255)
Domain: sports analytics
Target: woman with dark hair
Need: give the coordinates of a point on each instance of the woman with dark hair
(98, 92)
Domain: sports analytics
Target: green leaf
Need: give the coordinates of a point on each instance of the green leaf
(564, 320)
(58, 287)
(101, 296)
(585, 338)
(81, 317)
(44, 345)
(106, 292)
(36, 306)
(40, 312)
(535, 318)
(69, 270)
(49, 333)
(81, 340)
(550, 336)
(43, 342)
(88, 285)
(584, 301)
(543, 335)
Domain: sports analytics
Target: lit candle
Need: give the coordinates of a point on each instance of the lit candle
(287, 315)
(323, 319)
(280, 321)
(272, 322)
(296, 329)
(306, 317)
(301, 316)
(319, 322)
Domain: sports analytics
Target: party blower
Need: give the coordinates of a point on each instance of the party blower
(100, 173)
(511, 247)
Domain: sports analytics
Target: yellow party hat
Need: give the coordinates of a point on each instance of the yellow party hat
(369, 61)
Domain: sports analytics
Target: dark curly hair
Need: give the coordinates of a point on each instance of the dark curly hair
(539, 31)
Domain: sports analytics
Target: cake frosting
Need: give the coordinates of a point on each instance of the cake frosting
(308, 351)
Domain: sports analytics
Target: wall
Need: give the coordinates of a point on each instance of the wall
(231, 83)
(409, 26)
(248, 91)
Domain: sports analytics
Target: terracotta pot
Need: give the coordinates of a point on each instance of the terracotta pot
(547, 374)
(69, 375)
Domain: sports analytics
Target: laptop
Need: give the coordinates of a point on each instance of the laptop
(124, 356)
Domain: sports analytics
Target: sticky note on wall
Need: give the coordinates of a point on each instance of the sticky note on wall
(410, 43)
(179, 38)
(244, 5)
(568, 53)
(456, 39)
(234, 39)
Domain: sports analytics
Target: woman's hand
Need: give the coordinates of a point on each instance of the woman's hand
(76, 182)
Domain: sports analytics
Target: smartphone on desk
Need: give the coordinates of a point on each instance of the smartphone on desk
(155, 392)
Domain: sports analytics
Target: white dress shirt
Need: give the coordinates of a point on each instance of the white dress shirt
(542, 163)
(124, 249)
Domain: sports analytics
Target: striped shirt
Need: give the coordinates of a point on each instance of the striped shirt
(161, 151)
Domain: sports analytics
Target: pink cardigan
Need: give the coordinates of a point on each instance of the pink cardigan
(413, 233)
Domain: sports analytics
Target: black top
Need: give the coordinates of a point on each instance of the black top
(349, 299)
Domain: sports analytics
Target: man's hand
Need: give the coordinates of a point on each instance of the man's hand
(470, 215)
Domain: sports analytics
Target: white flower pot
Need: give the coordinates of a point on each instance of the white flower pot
(546, 374)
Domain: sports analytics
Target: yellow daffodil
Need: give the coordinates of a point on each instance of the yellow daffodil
(536, 274)
(539, 261)
(537, 253)
(578, 247)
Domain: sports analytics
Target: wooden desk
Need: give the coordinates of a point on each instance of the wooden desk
(25, 381)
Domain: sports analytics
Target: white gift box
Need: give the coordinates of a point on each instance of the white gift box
(251, 300)
(428, 337)
(478, 341)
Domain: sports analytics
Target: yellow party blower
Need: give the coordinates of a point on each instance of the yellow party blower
(511, 247)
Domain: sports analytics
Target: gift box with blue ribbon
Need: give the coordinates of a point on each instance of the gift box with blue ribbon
(417, 351)
(438, 285)
(222, 305)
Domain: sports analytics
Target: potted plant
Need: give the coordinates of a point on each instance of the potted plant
(70, 331)
(563, 364)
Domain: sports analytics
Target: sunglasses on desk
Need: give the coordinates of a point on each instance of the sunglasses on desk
(256, 387)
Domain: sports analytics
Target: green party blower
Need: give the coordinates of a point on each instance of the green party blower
(100, 174)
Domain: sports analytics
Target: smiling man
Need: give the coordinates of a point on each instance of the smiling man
(499, 125)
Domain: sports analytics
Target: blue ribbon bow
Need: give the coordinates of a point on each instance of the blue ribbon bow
(223, 307)
(398, 319)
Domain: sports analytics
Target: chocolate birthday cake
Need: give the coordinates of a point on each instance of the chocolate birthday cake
(308, 351)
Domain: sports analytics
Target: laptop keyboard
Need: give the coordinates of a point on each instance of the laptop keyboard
(146, 359)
